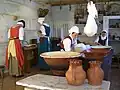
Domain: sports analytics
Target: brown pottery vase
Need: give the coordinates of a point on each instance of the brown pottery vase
(75, 74)
(95, 74)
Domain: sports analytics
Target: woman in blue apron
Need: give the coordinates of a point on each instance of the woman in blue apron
(43, 42)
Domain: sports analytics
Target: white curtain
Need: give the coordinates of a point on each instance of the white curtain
(60, 29)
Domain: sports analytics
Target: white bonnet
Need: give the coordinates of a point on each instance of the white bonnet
(41, 19)
(20, 23)
(74, 29)
(104, 31)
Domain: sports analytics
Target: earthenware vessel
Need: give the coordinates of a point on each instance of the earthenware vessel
(95, 74)
(75, 74)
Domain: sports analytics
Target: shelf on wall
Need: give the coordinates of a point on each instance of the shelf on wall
(79, 24)
(114, 28)
(87, 36)
(8, 14)
(114, 40)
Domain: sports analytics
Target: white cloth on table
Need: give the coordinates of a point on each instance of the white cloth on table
(83, 46)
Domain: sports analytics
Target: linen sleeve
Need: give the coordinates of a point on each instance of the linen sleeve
(8, 33)
(97, 40)
(67, 44)
(42, 28)
(21, 33)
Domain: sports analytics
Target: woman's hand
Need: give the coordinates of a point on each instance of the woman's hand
(97, 43)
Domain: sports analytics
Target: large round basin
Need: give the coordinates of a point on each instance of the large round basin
(59, 60)
(101, 47)
(98, 52)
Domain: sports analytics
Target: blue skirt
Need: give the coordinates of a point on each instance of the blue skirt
(43, 46)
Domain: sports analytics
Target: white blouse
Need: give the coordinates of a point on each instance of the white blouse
(67, 43)
(42, 28)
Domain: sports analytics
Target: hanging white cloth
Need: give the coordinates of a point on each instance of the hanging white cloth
(91, 27)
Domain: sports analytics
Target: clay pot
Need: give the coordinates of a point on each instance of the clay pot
(75, 74)
(95, 73)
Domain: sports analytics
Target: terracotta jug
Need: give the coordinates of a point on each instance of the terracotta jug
(75, 74)
(95, 73)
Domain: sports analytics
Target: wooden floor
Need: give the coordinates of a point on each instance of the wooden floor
(9, 82)
(115, 79)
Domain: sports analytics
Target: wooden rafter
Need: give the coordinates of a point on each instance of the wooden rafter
(65, 2)
(68, 2)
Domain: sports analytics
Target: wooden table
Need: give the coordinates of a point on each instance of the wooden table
(47, 82)
(30, 56)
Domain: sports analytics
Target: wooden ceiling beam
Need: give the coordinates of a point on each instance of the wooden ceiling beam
(69, 2)
(66, 2)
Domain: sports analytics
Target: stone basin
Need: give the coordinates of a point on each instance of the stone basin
(59, 60)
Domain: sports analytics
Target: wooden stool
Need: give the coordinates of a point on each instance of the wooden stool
(2, 68)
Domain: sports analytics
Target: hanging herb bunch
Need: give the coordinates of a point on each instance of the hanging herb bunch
(42, 12)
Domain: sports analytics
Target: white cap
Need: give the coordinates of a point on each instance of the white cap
(20, 23)
(104, 31)
(40, 20)
(74, 29)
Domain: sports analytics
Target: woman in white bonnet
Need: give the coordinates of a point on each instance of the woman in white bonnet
(69, 42)
(102, 39)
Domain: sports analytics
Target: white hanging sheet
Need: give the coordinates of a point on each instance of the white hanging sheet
(91, 27)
